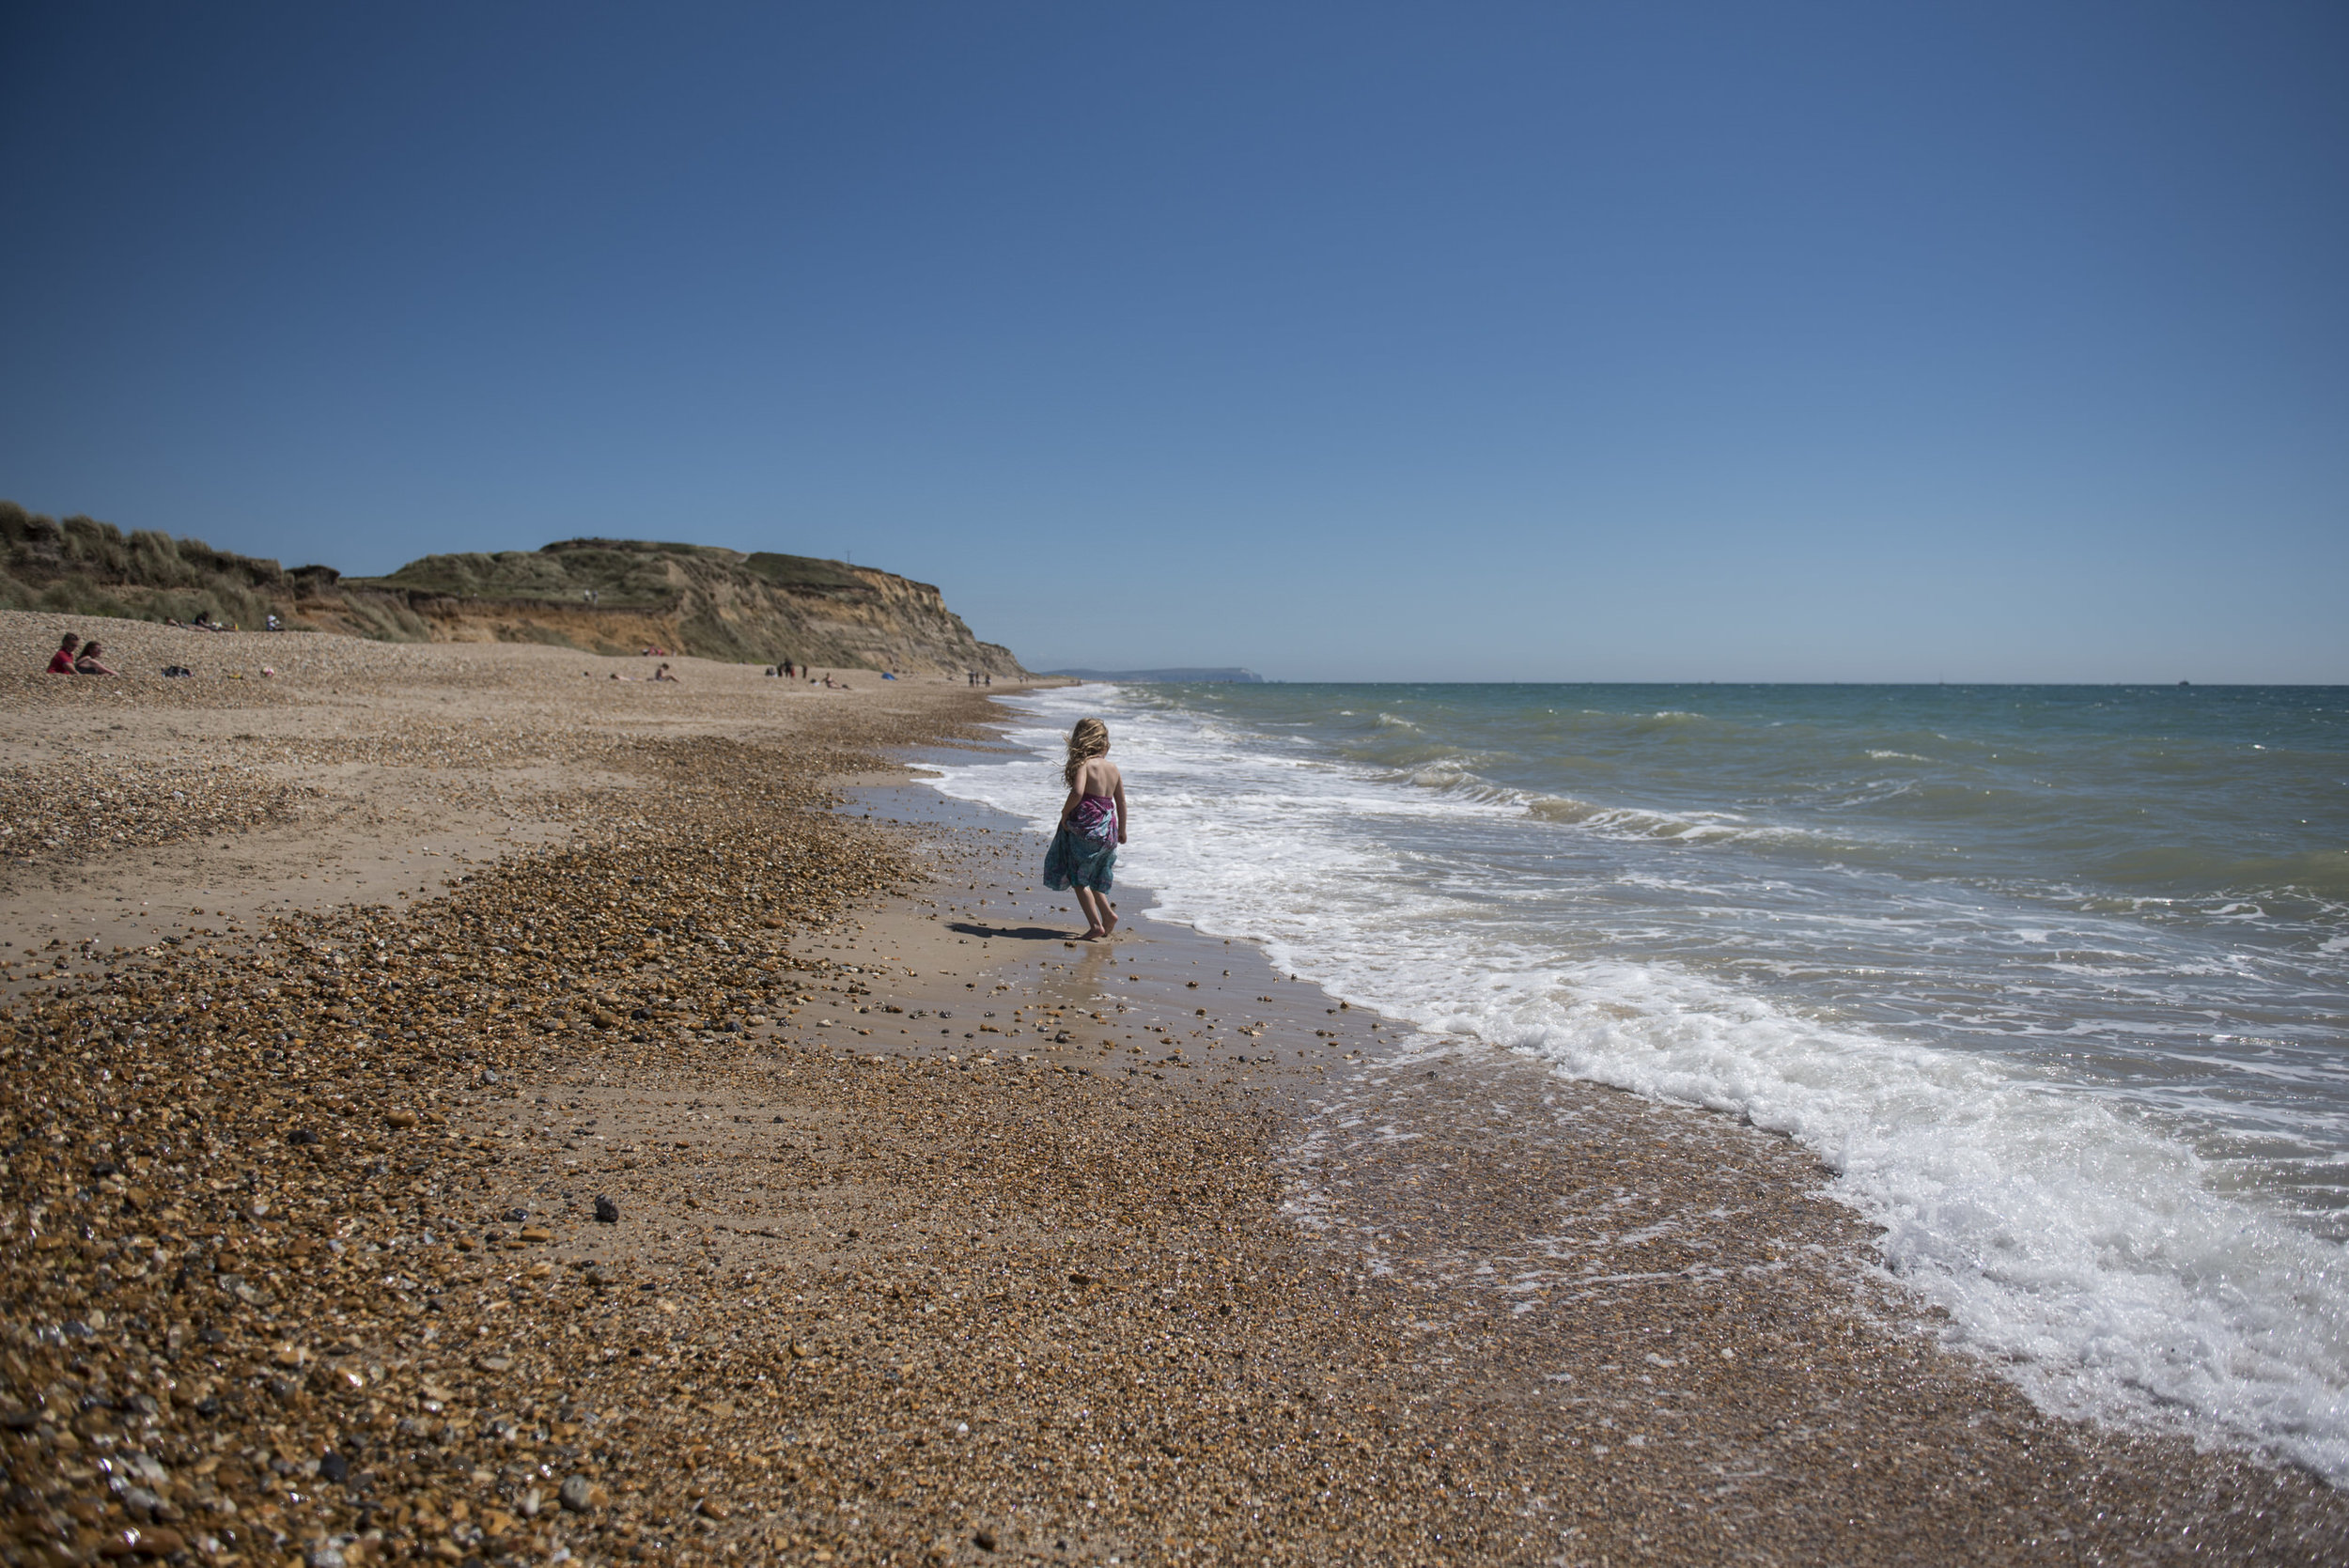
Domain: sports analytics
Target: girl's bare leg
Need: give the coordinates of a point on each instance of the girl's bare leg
(1093, 906)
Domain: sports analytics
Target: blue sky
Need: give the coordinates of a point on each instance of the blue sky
(1477, 341)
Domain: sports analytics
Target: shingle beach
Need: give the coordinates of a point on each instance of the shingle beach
(464, 1108)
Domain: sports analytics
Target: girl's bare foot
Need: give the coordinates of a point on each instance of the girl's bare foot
(1111, 924)
(1093, 936)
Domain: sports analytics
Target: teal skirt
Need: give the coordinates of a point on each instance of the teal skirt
(1075, 860)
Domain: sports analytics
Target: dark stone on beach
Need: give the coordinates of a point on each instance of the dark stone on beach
(984, 1540)
(608, 1212)
(515, 1216)
(302, 1138)
(334, 1468)
(576, 1495)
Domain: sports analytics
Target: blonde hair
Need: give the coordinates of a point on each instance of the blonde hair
(1089, 739)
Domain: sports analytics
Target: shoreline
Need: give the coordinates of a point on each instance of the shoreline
(898, 1273)
(1418, 1161)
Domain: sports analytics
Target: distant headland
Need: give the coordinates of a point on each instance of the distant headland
(1231, 674)
(598, 595)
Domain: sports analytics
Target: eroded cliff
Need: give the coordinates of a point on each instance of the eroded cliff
(598, 596)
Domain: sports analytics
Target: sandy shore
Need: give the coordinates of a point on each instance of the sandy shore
(935, 1236)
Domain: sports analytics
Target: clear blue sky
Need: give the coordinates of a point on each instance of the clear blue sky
(1601, 341)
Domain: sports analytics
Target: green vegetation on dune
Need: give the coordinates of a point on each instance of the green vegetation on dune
(620, 572)
(802, 571)
(78, 566)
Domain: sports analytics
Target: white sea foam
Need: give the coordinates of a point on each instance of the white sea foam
(2077, 1241)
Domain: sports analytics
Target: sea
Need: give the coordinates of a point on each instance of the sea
(2054, 980)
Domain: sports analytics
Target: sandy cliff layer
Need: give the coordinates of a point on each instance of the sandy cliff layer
(598, 596)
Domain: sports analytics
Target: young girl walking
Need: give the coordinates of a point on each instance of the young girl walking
(1091, 825)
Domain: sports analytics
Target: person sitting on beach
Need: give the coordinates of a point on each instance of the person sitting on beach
(1083, 853)
(88, 664)
(662, 674)
(61, 663)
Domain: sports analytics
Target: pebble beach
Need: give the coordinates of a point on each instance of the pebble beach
(465, 1107)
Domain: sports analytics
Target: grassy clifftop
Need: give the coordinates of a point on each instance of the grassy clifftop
(599, 595)
(82, 566)
(619, 571)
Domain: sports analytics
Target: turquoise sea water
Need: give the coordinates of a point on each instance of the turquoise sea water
(2056, 979)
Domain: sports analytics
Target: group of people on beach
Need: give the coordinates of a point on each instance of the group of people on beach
(76, 658)
(790, 671)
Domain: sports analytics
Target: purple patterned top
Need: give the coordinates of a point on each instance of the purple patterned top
(1095, 818)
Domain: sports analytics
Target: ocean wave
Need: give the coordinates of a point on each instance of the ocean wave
(2079, 1237)
(2320, 874)
(1691, 827)
(1634, 822)
(1456, 776)
(2086, 1254)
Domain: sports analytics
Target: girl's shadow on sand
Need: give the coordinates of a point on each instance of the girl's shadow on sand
(1019, 932)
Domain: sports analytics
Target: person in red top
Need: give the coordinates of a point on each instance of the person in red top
(61, 663)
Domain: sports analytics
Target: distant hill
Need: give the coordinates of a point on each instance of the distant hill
(1231, 673)
(598, 596)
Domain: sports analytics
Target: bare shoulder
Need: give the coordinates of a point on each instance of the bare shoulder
(1100, 777)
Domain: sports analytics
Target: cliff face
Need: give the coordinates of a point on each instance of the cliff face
(619, 596)
(599, 595)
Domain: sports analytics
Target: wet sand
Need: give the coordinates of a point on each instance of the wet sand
(936, 1236)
